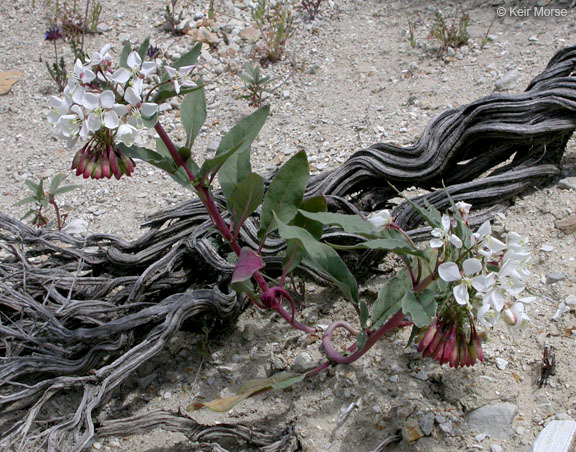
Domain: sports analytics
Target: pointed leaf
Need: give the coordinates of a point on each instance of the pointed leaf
(246, 198)
(396, 245)
(126, 49)
(65, 189)
(361, 340)
(193, 114)
(167, 92)
(389, 300)
(353, 224)
(143, 49)
(364, 314)
(248, 263)
(323, 257)
(294, 255)
(316, 204)
(56, 181)
(189, 58)
(26, 200)
(213, 165)
(278, 381)
(421, 314)
(285, 193)
(149, 156)
(240, 136)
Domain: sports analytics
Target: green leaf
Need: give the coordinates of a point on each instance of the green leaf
(353, 224)
(278, 381)
(26, 200)
(126, 49)
(322, 257)
(149, 156)
(213, 165)
(396, 245)
(246, 198)
(150, 121)
(420, 310)
(293, 257)
(248, 263)
(32, 185)
(143, 49)
(364, 314)
(361, 340)
(55, 182)
(167, 92)
(189, 58)
(285, 193)
(389, 300)
(241, 135)
(316, 204)
(65, 189)
(30, 212)
(193, 114)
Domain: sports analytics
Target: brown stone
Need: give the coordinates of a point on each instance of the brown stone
(566, 225)
(411, 430)
(204, 35)
(250, 34)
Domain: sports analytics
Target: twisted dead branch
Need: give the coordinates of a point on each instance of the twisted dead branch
(78, 315)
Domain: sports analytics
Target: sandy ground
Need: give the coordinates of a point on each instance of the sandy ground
(353, 79)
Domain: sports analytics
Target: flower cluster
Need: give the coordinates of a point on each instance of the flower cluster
(107, 106)
(481, 274)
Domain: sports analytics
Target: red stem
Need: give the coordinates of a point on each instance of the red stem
(334, 356)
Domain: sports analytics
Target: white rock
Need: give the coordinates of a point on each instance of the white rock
(562, 309)
(570, 300)
(501, 363)
(557, 436)
(546, 248)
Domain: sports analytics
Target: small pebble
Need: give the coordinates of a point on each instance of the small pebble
(496, 448)
(501, 363)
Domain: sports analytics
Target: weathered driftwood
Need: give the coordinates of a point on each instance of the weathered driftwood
(79, 315)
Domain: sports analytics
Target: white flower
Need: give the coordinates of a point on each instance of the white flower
(380, 219)
(441, 235)
(103, 110)
(74, 123)
(181, 77)
(138, 108)
(138, 69)
(127, 134)
(60, 106)
(515, 318)
(464, 209)
(98, 58)
(82, 75)
(449, 272)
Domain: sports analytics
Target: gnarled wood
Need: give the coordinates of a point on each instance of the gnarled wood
(79, 315)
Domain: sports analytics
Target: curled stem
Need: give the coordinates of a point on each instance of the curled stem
(336, 357)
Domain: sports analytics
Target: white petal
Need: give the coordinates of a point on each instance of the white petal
(497, 299)
(132, 96)
(436, 243)
(185, 70)
(127, 134)
(94, 122)
(120, 109)
(170, 71)
(449, 272)
(472, 266)
(111, 120)
(90, 101)
(148, 67)
(445, 223)
(78, 68)
(176, 86)
(380, 219)
(494, 244)
(107, 99)
(148, 108)
(483, 283)
(121, 75)
(484, 230)
(88, 75)
(461, 294)
(134, 61)
(455, 240)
